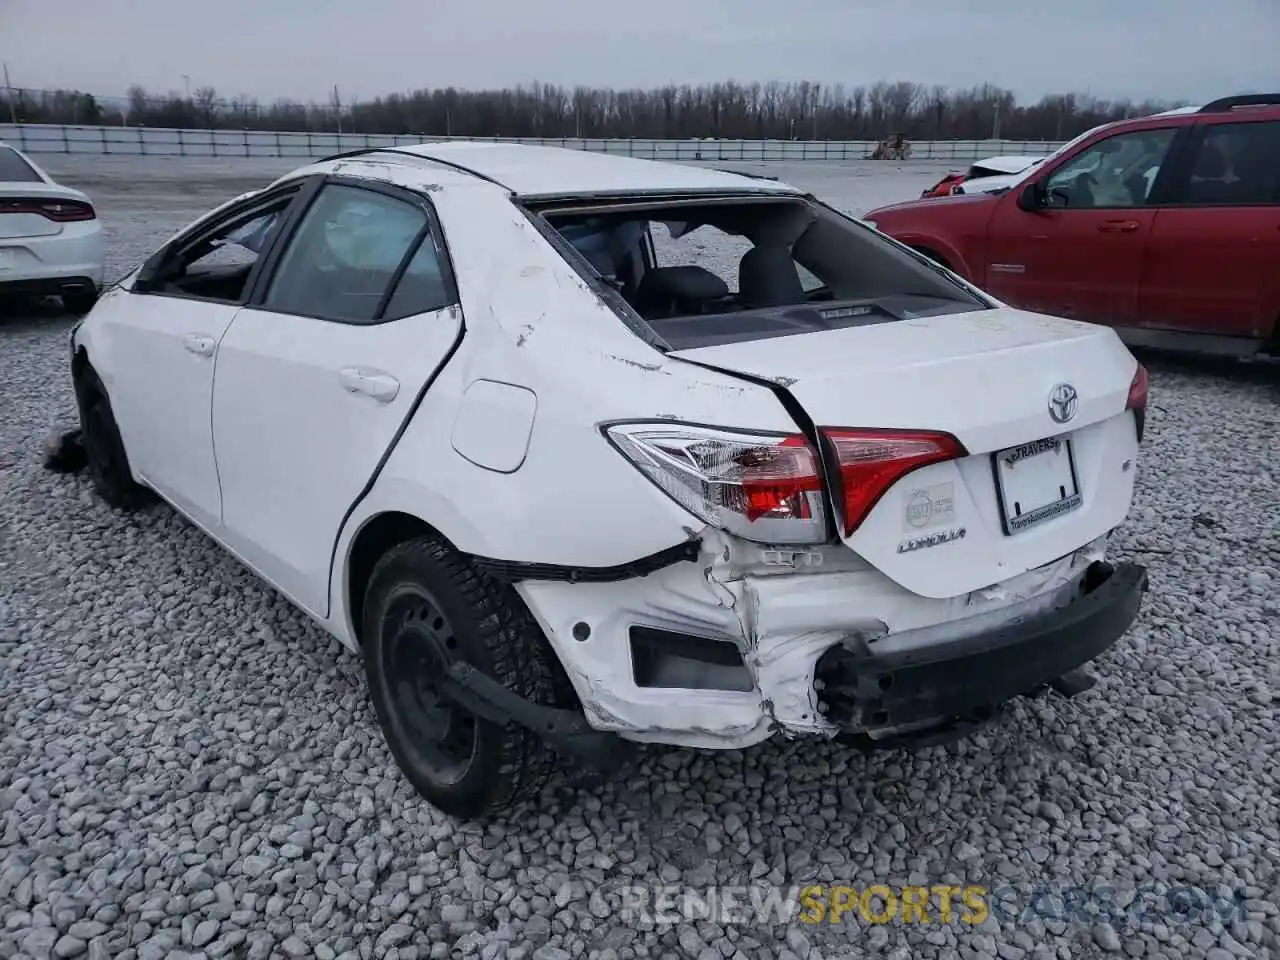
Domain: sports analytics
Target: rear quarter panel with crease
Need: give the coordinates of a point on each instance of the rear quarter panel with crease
(532, 322)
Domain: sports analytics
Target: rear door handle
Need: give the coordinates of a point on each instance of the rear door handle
(201, 345)
(1119, 226)
(372, 383)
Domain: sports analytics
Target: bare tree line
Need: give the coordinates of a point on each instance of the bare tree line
(729, 110)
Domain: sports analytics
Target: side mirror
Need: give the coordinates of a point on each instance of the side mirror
(1033, 198)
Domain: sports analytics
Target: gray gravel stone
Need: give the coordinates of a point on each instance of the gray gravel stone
(204, 932)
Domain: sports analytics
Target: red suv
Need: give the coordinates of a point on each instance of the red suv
(1166, 227)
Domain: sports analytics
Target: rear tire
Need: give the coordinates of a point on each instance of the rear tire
(104, 450)
(426, 606)
(80, 300)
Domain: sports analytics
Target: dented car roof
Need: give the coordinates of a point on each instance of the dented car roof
(543, 172)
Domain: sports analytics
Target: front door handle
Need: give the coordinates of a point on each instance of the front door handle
(201, 345)
(372, 383)
(1119, 226)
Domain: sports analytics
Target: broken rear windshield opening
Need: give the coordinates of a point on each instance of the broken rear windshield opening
(702, 274)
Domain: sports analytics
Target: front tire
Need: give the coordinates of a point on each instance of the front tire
(104, 450)
(426, 606)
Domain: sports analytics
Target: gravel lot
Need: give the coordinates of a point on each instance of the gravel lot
(188, 765)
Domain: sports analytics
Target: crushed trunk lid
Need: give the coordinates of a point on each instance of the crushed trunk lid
(985, 378)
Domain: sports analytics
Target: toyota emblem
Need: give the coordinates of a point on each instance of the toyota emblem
(1063, 401)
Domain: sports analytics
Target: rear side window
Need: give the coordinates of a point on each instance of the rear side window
(14, 169)
(424, 285)
(1235, 164)
(346, 253)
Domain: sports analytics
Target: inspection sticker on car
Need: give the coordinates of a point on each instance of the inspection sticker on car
(1036, 482)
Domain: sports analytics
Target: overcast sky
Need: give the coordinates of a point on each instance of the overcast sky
(1168, 49)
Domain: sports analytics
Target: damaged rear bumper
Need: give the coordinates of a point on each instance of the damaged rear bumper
(867, 691)
(724, 651)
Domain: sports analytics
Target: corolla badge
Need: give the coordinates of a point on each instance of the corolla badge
(1063, 401)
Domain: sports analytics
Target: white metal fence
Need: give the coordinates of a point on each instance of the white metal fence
(157, 142)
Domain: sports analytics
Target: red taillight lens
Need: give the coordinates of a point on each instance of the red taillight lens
(1138, 390)
(1137, 402)
(761, 487)
(59, 211)
(775, 480)
(872, 461)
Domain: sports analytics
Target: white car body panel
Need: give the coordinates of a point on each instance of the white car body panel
(161, 392)
(840, 376)
(33, 247)
(282, 407)
(264, 447)
(527, 335)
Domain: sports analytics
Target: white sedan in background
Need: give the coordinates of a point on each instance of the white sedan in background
(491, 416)
(50, 236)
(996, 173)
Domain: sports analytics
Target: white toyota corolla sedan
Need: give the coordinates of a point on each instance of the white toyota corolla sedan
(579, 449)
(50, 236)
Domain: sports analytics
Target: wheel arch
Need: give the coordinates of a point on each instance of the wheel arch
(378, 534)
(381, 532)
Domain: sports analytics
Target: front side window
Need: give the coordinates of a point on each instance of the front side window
(1236, 164)
(1116, 172)
(347, 250)
(216, 265)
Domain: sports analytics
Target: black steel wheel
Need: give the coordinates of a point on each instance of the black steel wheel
(104, 450)
(439, 735)
(427, 606)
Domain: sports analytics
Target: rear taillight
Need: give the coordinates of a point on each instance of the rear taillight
(761, 487)
(872, 461)
(1138, 390)
(59, 211)
(1137, 402)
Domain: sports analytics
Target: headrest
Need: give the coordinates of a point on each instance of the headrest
(683, 283)
(767, 277)
(1211, 164)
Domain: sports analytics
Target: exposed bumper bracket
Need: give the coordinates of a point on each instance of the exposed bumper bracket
(566, 731)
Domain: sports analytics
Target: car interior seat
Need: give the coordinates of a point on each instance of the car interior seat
(767, 277)
(1208, 178)
(678, 291)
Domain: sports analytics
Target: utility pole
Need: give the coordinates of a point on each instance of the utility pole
(186, 80)
(8, 92)
(995, 123)
(337, 107)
